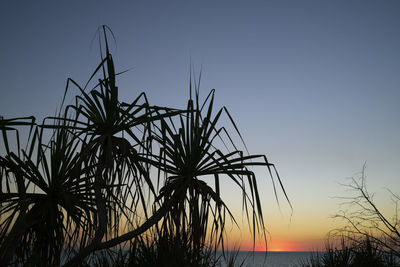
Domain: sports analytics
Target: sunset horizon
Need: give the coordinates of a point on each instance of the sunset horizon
(265, 126)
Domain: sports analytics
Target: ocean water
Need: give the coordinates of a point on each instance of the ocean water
(272, 259)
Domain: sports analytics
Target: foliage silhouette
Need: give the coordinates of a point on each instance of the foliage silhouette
(83, 182)
(368, 238)
(364, 220)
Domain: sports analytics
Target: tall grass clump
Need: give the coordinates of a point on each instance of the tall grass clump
(352, 254)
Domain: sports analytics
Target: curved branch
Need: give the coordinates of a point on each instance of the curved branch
(154, 219)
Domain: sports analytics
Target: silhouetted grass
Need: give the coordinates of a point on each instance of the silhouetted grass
(162, 252)
(363, 253)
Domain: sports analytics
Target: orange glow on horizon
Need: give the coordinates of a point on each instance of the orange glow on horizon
(283, 245)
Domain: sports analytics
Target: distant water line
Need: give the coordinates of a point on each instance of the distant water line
(272, 258)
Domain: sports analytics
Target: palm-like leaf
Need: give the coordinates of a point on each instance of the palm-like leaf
(48, 201)
(114, 138)
(188, 154)
(74, 191)
(7, 125)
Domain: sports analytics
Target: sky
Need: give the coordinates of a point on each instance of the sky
(314, 85)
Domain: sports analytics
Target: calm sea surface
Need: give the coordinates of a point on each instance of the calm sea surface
(273, 259)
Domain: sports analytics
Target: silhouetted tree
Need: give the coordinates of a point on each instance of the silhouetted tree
(365, 220)
(84, 182)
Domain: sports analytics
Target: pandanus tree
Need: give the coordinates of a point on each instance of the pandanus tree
(48, 198)
(108, 141)
(67, 197)
(114, 138)
(194, 148)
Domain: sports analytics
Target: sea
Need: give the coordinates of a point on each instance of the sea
(271, 259)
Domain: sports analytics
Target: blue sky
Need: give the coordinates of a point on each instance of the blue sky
(315, 85)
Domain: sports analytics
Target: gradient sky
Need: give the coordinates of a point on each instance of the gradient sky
(314, 85)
